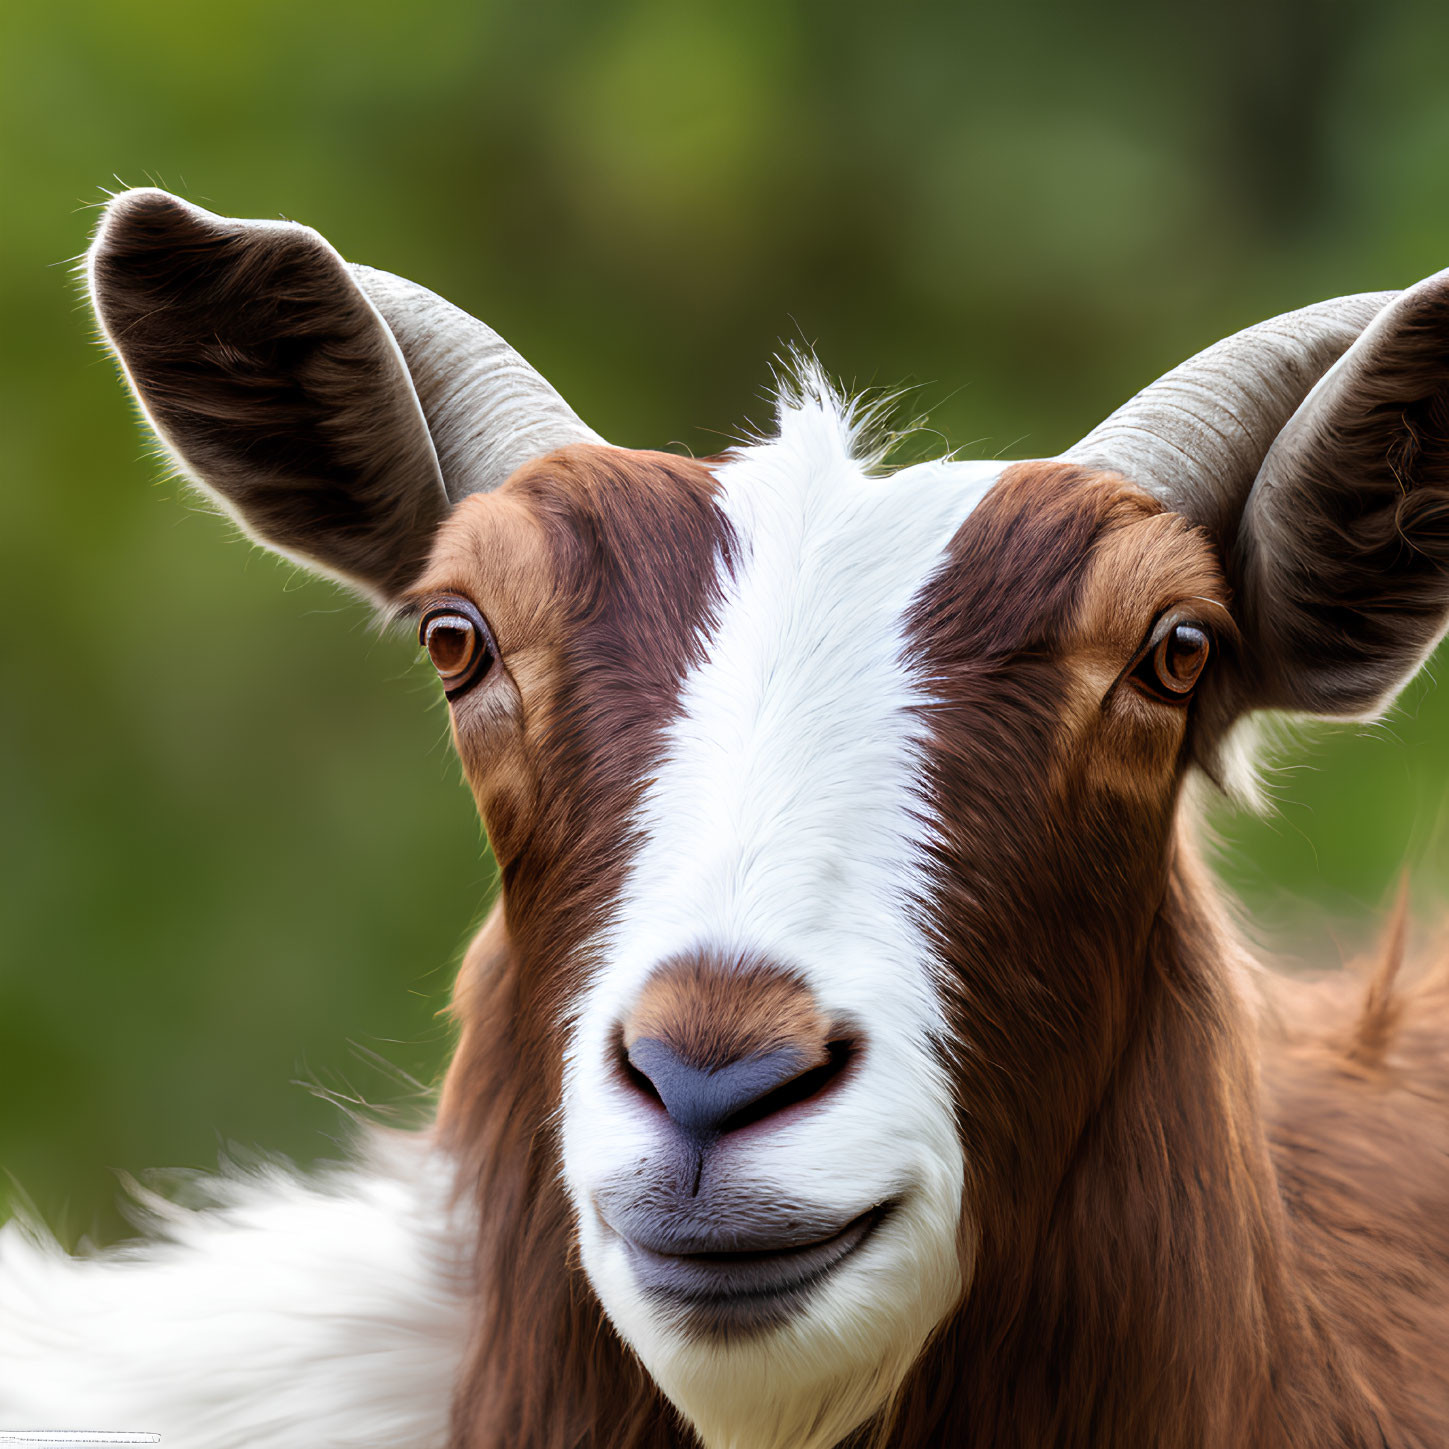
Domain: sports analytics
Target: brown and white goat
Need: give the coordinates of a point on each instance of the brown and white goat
(857, 1053)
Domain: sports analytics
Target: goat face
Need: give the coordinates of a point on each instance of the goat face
(833, 810)
(798, 778)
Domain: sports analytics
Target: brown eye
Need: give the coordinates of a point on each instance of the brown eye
(1172, 666)
(458, 642)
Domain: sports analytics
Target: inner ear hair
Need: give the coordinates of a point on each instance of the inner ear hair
(274, 383)
(1342, 559)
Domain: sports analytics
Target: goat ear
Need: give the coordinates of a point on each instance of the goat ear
(337, 412)
(274, 383)
(1341, 559)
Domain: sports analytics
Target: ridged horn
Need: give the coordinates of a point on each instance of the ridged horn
(488, 410)
(1198, 435)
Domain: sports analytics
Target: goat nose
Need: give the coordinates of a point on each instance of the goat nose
(708, 1101)
(720, 1045)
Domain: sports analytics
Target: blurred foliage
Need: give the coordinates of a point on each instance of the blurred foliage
(234, 850)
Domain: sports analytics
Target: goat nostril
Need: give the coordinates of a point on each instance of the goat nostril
(709, 1101)
(635, 1077)
(809, 1083)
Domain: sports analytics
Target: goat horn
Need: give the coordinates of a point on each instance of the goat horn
(488, 410)
(1198, 435)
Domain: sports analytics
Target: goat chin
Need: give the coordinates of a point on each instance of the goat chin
(282, 1305)
(726, 1415)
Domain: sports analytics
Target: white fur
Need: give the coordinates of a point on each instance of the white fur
(325, 1314)
(785, 818)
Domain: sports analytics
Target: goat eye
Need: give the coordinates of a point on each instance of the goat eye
(1172, 666)
(458, 642)
(1181, 657)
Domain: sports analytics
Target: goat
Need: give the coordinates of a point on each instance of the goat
(858, 1053)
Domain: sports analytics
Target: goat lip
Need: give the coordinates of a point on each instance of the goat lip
(745, 1288)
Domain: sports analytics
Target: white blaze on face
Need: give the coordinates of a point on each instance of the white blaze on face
(785, 822)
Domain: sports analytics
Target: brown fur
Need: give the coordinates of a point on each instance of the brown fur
(622, 551)
(1187, 1227)
(713, 1013)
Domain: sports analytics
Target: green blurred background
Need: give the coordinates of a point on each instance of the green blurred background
(235, 853)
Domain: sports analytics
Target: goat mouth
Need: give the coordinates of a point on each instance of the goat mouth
(749, 1288)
